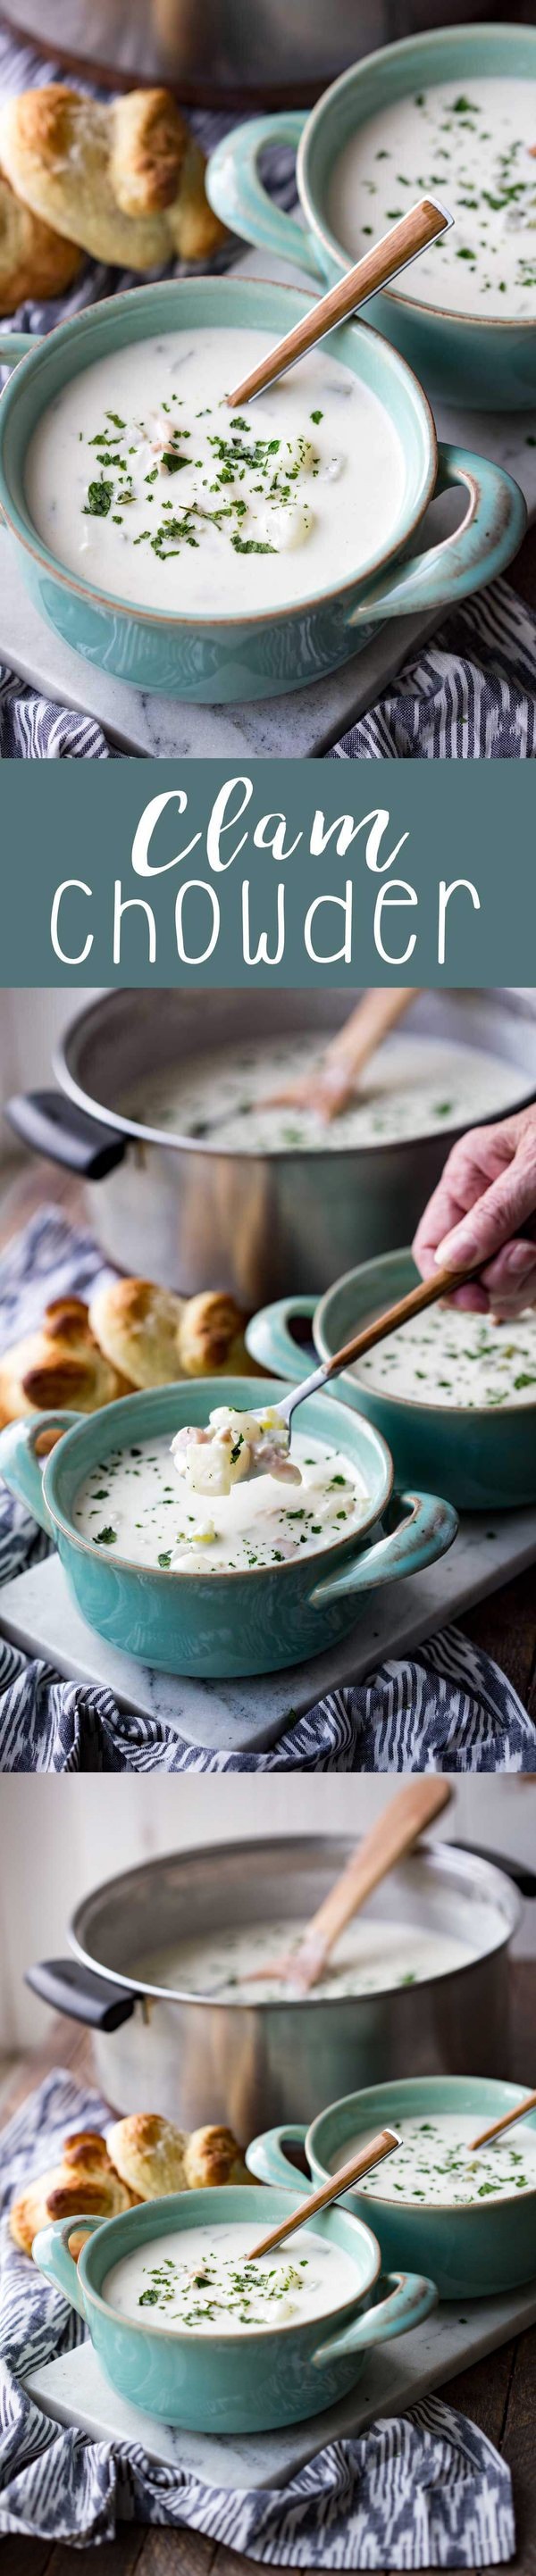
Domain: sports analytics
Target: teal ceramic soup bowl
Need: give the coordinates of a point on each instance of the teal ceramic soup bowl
(459, 357)
(217, 1625)
(473, 2252)
(220, 659)
(483, 1460)
(246, 2381)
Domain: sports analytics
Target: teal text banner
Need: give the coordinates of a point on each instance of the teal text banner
(127, 873)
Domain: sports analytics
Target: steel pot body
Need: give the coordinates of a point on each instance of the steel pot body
(260, 1225)
(252, 2066)
(230, 55)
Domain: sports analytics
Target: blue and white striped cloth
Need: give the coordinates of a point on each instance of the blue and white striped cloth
(426, 2489)
(447, 1708)
(471, 694)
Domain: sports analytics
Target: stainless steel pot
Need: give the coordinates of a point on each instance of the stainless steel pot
(262, 1226)
(230, 53)
(253, 2066)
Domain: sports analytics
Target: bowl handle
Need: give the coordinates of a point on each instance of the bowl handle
(17, 344)
(271, 1341)
(21, 1468)
(410, 2298)
(425, 1527)
(494, 524)
(236, 192)
(267, 2160)
(50, 2251)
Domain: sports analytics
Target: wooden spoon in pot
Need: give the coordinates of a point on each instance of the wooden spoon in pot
(414, 1807)
(383, 2145)
(329, 1086)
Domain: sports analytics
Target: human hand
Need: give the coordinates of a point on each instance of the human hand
(484, 1210)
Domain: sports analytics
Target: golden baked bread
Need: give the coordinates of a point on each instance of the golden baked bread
(213, 2158)
(125, 179)
(137, 1326)
(155, 2158)
(34, 261)
(84, 2184)
(212, 1337)
(156, 1336)
(148, 2152)
(58, 1366)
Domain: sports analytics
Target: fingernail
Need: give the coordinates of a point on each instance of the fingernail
(518, 1257)
(457, 1243)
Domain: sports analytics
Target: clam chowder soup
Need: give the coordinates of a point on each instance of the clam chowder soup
(432, 2163)
(139, 1504)
(141, 480)
(370, 1957)
(411, 1087)
(472, 141)
(450, 1358)
(202, 2280)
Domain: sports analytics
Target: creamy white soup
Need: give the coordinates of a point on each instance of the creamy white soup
(472, 141)
(202, 2280)
(141, 479)
(412, 1087)
(432, 2163)
(135, 1504)
(451, 1358)
(369, 1958)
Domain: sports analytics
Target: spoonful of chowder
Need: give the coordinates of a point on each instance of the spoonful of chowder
(238, 1446)
(234, 1446)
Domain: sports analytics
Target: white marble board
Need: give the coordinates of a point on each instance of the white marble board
(74, 2391)
(38, 1614)
(301, 725)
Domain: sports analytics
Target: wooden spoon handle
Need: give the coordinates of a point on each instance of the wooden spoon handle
(403, 242)
(408, 1814)
(338, 2183)
(427, 1293)
(376, 1012)
(508, 2122)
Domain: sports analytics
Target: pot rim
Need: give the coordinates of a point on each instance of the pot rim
(432, 1852)
(178, 1143)
(234, 2337)
(334, 1551)
(407, 48)
(472, 1413)
(113, 604)
(449, 2209)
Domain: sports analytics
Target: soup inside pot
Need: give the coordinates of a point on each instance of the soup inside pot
(136, 1505)
(450, 1358)
(370, 1957)
(433, 2166)
(202, 2280)
(472, 141)
(412, 1087)
(142, 480)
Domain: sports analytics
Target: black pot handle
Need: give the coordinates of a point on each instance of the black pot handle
(53, 1125)
(71, 1988)
(518, 1870)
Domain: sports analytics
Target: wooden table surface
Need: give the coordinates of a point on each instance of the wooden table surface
(498, 2393)
(505, 1623)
